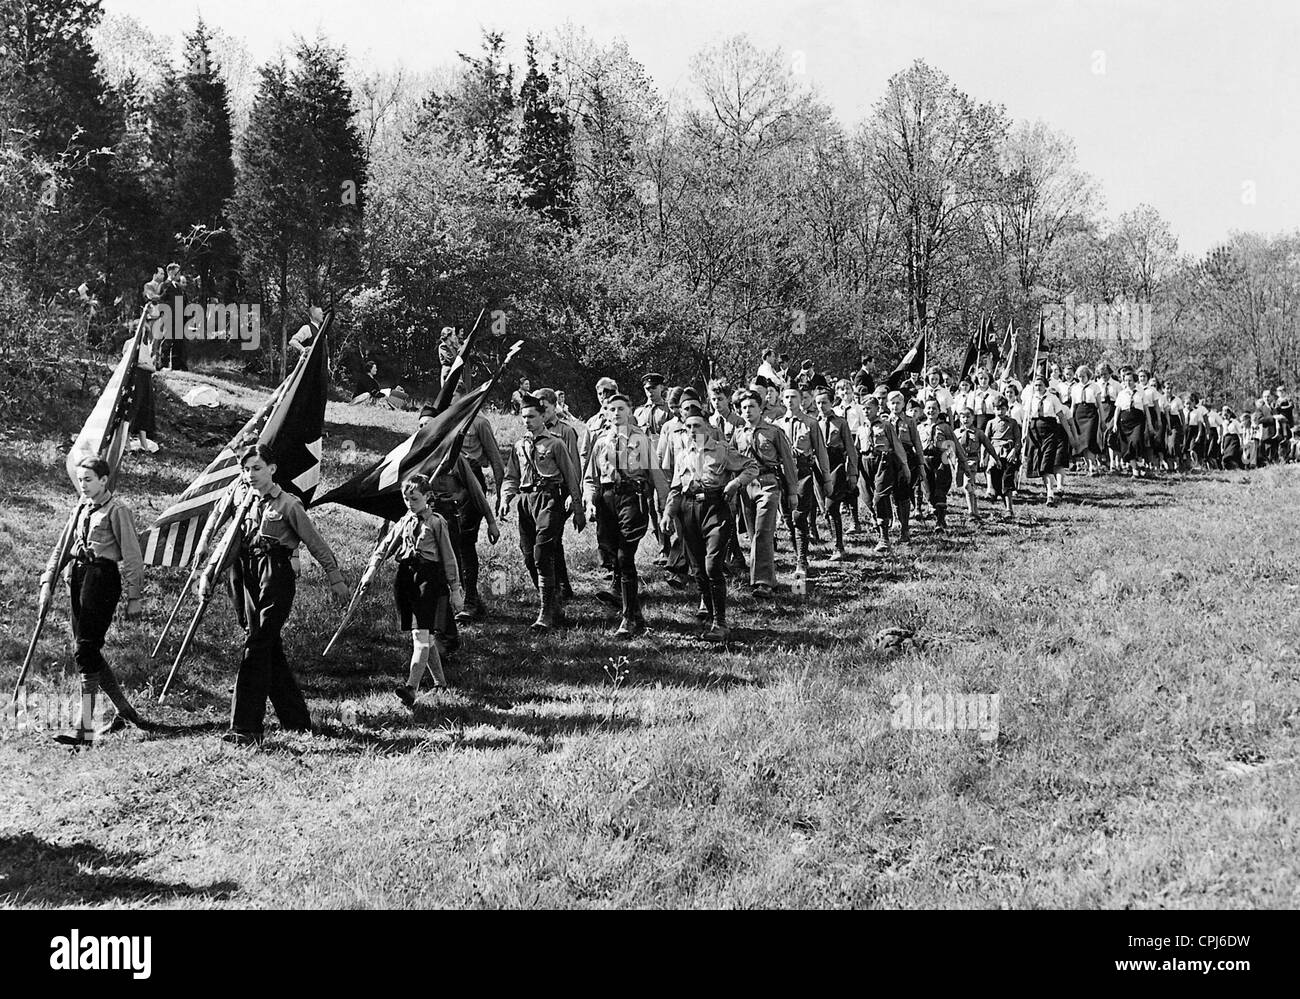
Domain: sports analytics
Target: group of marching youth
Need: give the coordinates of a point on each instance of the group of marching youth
(700, 471)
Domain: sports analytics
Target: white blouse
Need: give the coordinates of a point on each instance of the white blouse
(1080, 392)
(1043, 407)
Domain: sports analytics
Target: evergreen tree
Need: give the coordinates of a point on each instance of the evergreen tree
(204, 173)
(477, 117)
(545, 160)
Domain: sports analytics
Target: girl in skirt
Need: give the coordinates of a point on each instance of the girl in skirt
(142, 418)
(1047, 446)
(1086, 413)
(1131, 424)
(1230, 441)
(1107, 388)
(427, 583)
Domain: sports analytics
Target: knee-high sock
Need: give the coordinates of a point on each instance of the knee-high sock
(421, 647)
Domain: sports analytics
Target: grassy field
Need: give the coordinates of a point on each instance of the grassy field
(1140, 639)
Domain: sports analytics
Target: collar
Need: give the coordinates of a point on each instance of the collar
(86, 501)
(272, 493)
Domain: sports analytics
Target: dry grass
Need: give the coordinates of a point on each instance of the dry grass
(1142, 639)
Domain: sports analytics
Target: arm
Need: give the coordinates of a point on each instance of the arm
(510, 482)
(788, 466)
(745, 467)
(850, 450)
(899, 453)
(447, 555)
(956, 446)
(480, 500)
(128, 543)
(819, 452)
(319, 548)
(571, 483)
(59, 556)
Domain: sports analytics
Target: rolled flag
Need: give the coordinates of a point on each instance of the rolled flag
(913, 363)
(108, 427)
(452, 378)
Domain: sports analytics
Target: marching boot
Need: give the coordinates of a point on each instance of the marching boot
(109, 685)
(613, 597)
(546, 613)
(904, 523)
(882, 546)
(83, 733)
(474, 609)
(719, 632)
(801, 553)
(941, 521)
(631, 622)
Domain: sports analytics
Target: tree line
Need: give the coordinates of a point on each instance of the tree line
(614, 227)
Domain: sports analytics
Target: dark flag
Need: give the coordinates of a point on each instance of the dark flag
(377, 490)
(973, 347)
(913, 363)
(296, 428)
(1041, 347)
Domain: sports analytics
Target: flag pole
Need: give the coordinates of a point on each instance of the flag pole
(63, 549)
(232, 531)
(372, 567)
(214, 521)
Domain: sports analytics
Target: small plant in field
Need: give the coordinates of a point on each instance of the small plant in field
(617, 671)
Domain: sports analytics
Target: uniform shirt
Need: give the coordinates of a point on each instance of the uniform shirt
(773, 412)
(768, 445)
(461, 485)
(480, 447)
(960, 402)
(938, 439)
(1130, 399)
(1046, 407)
(1197, 415)
(538, 461)
(1215, 419)
(973, 441)
(427, 536)
(651, 416)
(905, 430)
(726, 426)
(854, 415)
(838, 437)
(876, 437)
(1004, 438)
(806, 440)
(104, 530)
(1155, 399)
(570, 437)
(983, 401)
(937, 392)
(1107, 389)
(1081, 393)
(279, 518)
(707, 464)
(595, 426)
(620, 454)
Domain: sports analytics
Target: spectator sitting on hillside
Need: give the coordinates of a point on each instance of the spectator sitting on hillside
(367, 387)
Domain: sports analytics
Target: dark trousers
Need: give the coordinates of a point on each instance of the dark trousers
(266, 584)
(705, 528)
(446, 628)
(935, 483)
(622, 518)
(798, 518)
(469, 520)
(541, 519)
(840, 494)
(880, 479)
(95, 589)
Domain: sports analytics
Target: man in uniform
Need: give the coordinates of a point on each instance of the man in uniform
(813, 468)
(761, 499)
(725, 423)
(885, 470)
(910, 438)
(619, 477)
(651, 417)
(842, 454)
(705, 474)
(606, 389)
(556, 426)
(541, 474)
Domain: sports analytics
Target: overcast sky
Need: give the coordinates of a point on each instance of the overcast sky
(1190, 106)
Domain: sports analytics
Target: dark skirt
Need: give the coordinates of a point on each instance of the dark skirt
(1105, 436)
(142, 403)
(1132, 433)
(420, 589)
(1047, 449)
(1087, 427)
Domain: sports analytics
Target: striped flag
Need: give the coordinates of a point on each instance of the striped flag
(108, 427)
(291, 420)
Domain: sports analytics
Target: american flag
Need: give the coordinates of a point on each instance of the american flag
(107, 428)
(177, 538)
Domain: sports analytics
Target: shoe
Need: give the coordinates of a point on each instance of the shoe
(882, 547)
(610, 599)
(838, 555)
(676, 581)
(405, 694)
(237, 738)
(904, 537)
(761, 591)
(627, 627)
(940, 531)
(78, 738)
(704, 612)
(718, 633)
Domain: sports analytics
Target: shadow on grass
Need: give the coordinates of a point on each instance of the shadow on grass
(35, 872)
